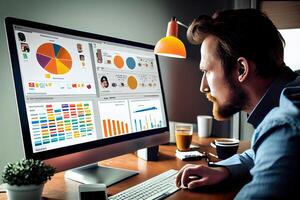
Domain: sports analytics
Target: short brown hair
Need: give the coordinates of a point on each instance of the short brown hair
(245, 33)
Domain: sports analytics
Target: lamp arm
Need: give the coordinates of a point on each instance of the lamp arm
(181, 24)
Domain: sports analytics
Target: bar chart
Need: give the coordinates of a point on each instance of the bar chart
(146, 114)
(113, 127)
(115, 118)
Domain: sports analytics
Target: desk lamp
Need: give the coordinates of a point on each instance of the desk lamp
(170, 45)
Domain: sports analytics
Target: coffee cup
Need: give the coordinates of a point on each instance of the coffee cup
(225, 147)
(183, 135)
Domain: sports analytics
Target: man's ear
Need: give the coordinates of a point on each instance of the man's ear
(242, 69)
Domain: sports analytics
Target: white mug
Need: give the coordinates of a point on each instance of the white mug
(172, 131)
(204, 123)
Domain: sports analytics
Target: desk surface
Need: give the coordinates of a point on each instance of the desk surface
(60, 188)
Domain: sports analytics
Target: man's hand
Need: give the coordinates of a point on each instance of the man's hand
(205, 176)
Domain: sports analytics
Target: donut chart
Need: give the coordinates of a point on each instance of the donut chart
(54, 58)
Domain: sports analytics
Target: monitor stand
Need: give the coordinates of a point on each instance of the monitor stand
(91, 174)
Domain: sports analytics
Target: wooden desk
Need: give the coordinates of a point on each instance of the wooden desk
(60, 188)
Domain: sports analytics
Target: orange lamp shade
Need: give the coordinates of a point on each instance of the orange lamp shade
(170, 46)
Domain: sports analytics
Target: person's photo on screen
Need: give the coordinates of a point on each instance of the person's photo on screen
(25, 47)
(21, 37)
(79, 48)
(104, 82)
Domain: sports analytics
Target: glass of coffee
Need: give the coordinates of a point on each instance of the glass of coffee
(183, 135)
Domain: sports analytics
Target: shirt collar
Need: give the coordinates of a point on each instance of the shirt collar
(271, 98)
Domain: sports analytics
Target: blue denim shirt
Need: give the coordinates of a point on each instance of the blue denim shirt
(273, 162)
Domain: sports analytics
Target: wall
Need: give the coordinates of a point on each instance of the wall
(137, 20)
(284, 14)
(286, 17)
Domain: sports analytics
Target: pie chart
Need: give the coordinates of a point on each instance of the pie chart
(119, 62)
(130, 62)
(132, 82)
(54, 58)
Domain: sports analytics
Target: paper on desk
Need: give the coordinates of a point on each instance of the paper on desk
(188, 154)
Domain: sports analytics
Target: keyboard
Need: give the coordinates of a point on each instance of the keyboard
(157, 187)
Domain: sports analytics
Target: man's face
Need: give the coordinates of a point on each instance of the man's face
(226, 94)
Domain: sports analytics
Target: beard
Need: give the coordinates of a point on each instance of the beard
(235, 104)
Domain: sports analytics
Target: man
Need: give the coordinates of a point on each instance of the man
(243, 69)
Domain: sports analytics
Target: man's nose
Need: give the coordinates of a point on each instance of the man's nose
(204, 88)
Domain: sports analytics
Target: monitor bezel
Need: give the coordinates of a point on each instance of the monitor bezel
(10, 22)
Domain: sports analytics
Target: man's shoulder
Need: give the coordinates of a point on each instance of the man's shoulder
(288, 110)
(284, 117)
(295, 82)
(290, 98)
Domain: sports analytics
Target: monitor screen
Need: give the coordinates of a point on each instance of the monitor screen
(80, 92)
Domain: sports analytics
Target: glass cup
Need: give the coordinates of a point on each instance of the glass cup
(183, 135)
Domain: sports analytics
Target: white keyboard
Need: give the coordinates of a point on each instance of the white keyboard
(157, 187)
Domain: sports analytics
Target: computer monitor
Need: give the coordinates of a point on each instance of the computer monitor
(84, 97)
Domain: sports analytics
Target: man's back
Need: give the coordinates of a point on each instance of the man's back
(276, 144)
